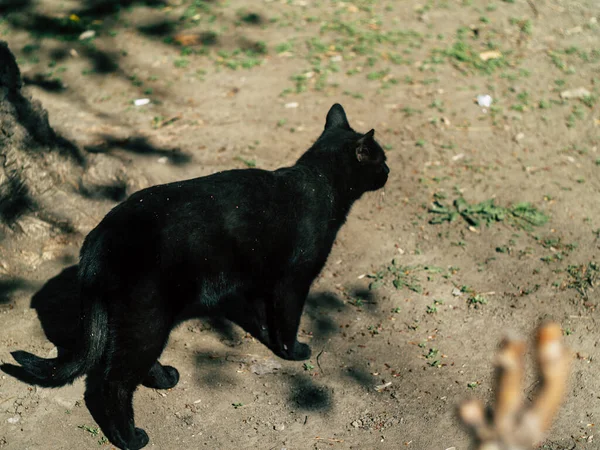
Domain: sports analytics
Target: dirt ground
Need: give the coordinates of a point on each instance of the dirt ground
(238, 83)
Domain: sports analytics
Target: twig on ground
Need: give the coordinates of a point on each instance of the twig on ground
(513, 426)
(319, 362)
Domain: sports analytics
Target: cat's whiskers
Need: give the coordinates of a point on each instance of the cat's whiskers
(379, 198)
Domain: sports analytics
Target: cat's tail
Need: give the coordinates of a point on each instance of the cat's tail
(65, 369)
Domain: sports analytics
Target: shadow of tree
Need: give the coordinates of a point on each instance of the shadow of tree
(14, 199)
(13, 6)
(117, 191)
(141, 146)
(159, 28)
(102, 17)
(40, 25)
(103, 8)
(317, 308)
(45, 82)
(252, 18)
(307, 395)
(102, 62)
(9, 285)
(359, 375)
(217, 373)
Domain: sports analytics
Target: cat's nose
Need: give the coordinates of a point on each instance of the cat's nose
(386, 169)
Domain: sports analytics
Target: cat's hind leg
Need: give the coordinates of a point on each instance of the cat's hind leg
(111, 406)
(131, 356)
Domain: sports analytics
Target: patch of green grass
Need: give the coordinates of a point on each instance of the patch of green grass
(247, 58)
(356, 95)
(308, 366)
(408, 111)
(406, 277)
(197, 6)
(284, 47)
(525, 25)
(374, 329)
(555, 257)
(237, 405)
(358, 302)
(437, 104)
(94, 431)
(590, 57)
(249, 162)
(577, 113)
(583, 277)
(543, 104)
(135, 80)
(378, 75)
(557, 60)
(522, 215)
(556, 244)
(467, 58)
(476, 300)
(432, 355)
(590, 100)
(61, 28)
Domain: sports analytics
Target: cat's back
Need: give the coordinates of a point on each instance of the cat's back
(217, 218)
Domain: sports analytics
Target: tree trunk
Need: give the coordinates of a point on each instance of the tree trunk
(49, 188)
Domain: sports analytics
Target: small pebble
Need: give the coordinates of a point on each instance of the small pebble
(485, 101)
(279, 427)
(87, 35)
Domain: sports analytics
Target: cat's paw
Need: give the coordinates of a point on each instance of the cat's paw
(300, 352)
(140, 440)
(166, 378)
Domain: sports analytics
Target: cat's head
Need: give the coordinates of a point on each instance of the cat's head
(362, 157)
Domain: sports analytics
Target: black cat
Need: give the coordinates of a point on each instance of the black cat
(243, 244)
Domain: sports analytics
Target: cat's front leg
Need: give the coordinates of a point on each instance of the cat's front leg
(283, 320)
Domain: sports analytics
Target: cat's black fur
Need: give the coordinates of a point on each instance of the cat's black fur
(244, 244)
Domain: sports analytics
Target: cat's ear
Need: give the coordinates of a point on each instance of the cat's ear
(336, 118)
(362, 147)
